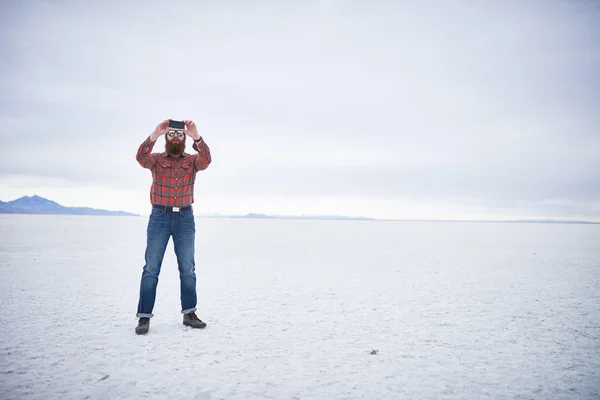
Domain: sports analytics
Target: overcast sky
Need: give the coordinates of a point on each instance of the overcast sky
(387, 109)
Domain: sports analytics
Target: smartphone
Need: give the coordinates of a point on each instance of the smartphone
(176, 124)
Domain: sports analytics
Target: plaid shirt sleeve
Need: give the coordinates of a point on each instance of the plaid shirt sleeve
(144, 155)
(203, 159)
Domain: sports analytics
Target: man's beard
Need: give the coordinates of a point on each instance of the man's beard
(175, 148)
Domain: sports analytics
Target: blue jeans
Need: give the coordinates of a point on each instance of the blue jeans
(161, 226)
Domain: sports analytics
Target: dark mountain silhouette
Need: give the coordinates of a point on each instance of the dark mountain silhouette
(39, 205)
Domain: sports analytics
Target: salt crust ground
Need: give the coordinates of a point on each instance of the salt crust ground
(294, 309)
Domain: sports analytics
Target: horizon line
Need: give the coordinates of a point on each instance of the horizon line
(257, 215)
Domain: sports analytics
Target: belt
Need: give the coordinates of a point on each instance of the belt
(173, 209)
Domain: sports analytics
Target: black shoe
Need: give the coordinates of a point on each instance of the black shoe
(143, 326)
(192, 320)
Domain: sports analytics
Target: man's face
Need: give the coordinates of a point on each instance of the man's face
(175, 142)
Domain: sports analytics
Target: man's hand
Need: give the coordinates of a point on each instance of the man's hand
(160, 130)
(191, 129)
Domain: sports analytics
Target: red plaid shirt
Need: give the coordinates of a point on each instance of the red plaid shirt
(173, 179)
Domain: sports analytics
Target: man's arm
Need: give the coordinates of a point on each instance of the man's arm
(203, 159)
(144, 154)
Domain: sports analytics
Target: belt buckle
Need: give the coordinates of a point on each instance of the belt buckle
(175, 209)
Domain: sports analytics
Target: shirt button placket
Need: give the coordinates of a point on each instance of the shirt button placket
(176, 185)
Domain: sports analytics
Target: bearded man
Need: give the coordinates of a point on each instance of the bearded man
(171, 195)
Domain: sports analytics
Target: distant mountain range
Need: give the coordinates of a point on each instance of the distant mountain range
(343, 217)
(265, 216)
(39, 205)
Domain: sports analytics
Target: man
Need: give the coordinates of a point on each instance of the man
(171, 196)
